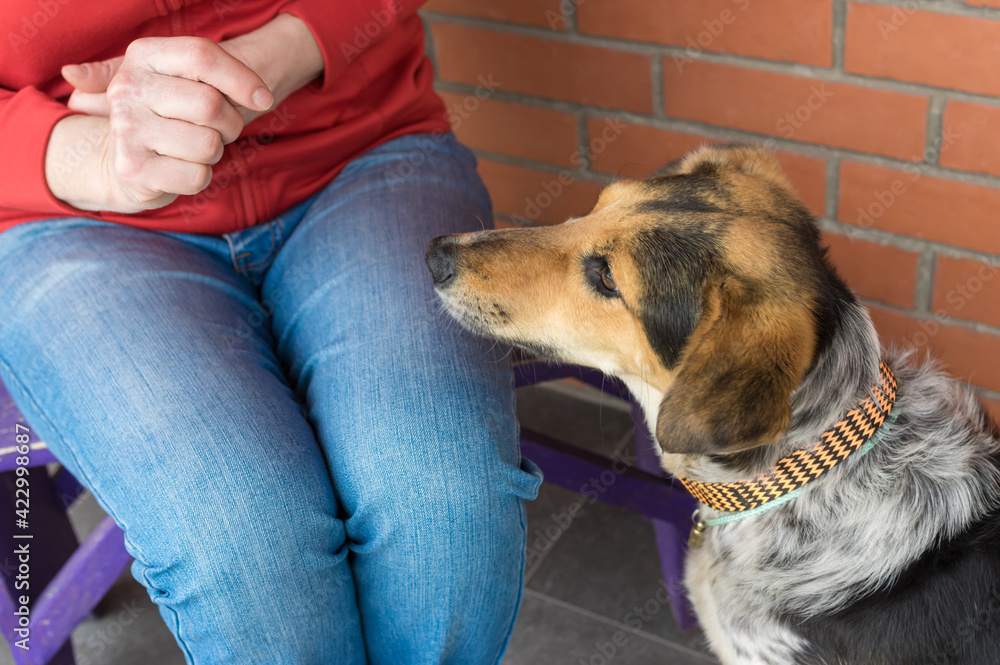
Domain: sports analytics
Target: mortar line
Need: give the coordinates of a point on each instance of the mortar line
(923, 293)
(935, 117)
(838, 38)
(815, 72)
(732, 134)
(658, 89)
(832, 194)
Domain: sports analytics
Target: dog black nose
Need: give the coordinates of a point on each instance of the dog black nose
(440, 258)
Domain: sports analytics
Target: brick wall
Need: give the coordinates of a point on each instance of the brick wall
(885, 115)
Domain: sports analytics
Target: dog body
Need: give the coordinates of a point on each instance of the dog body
(708, 293)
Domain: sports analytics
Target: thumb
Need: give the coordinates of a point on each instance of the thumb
(92, 76)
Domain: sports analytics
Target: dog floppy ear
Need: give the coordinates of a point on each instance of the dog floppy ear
(735, 378)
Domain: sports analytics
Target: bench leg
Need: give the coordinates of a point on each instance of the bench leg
(671, 539)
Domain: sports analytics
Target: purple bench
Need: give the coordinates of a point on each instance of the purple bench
(67, 579)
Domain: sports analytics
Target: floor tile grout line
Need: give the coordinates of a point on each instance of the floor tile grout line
(529, 573)
(537, 595)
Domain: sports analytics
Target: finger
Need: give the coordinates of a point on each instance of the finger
(196, 103)
(184, 141)
(203, 60)
(92, 76)
(91, 103)
(148, 175)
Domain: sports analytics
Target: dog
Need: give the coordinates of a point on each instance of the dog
(708, 293)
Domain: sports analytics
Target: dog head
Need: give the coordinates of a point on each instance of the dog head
(707, 284)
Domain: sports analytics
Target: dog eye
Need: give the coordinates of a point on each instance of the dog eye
(607, 280)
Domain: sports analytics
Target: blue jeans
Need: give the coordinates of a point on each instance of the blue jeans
(310, 462)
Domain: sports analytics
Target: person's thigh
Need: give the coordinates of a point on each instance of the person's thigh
(130, 353)
(415, 415)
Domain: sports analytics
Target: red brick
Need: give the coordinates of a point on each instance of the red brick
(545, 68)
(967, 289)
(536, 195)
(779, 105)
(640, 150)
(971, 142)
(543, 13)
(789, 30)
(513, 129)
(942, 50)
(875, 271)
(967, 355)
(808, 177)
(920, 206)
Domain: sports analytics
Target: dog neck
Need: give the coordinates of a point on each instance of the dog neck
(844, 370)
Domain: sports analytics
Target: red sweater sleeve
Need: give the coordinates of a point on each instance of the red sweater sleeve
(26, 120)
(346, 29)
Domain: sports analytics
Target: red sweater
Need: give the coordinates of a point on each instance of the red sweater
(376, 86)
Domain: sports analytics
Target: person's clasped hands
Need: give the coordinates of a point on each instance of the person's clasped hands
(171, 104)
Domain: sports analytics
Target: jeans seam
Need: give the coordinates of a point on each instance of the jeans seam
(266, 260)
(232, 252)
(85, 478)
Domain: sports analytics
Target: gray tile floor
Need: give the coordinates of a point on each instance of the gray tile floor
(582, 585)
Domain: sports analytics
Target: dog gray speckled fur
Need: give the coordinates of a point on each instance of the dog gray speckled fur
(708, 293)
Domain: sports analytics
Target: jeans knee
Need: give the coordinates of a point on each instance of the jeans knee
(453, 508)
(242, 555)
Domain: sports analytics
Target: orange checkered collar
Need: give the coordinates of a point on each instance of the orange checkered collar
(803, 466)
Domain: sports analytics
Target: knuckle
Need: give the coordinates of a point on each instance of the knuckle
(125, 87)
(128, 163)
(200, 177)
(218, 149)
(123, 125)
(210, 146)
(120, 86)
(201, 51)
(211, 104)
(136, 47)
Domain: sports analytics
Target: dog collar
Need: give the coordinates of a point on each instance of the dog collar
(802, 466)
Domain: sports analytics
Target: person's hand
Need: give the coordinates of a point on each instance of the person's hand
(171, 105)
(90, 81)
(283, 52)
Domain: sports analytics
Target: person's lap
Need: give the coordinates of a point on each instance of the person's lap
(211, 432)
